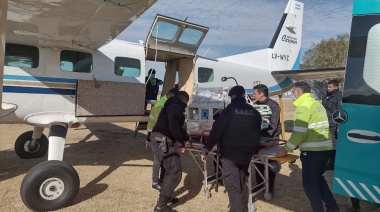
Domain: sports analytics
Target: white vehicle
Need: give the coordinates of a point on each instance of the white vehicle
(61, 71)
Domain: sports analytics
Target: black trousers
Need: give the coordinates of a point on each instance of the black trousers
(234, 180)
(171, 162)
(314, 184)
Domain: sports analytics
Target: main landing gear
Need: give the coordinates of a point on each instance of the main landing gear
(52, 184)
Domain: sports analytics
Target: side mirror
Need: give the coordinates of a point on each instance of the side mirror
(224, 79)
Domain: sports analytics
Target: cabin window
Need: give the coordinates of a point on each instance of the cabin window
(74, 61)
(191, 36)
(205, 75)
(22, 56)
(127, 67)
(166, 31)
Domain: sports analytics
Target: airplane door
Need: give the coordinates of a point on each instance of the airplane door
(175, 42)
(173, 39)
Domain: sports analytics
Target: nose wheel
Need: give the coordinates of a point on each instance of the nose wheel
(26, 148)
(50, 185)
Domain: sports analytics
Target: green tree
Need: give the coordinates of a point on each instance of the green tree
(329, 53)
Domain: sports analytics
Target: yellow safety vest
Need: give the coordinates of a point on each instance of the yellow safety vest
(154, 112)
(311, 126)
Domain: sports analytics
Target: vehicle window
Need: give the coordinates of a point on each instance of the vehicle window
(75, 61)
(362, 78)
(127, 67)
(22, 56)
(205, 75)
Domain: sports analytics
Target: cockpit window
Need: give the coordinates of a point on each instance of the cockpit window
(23, 56)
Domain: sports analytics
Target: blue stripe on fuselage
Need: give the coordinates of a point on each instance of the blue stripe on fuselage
(285, 83)
(40, 79)
(36, 90)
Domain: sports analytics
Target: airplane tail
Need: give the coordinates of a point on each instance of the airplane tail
(283, 52)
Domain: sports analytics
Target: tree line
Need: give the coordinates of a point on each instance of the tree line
(328, 53)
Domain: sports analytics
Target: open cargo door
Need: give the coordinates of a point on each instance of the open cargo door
(173, 39)
(175, 42)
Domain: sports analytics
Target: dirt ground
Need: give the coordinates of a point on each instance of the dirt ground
(115, 174)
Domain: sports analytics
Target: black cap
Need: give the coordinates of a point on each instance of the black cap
(237, 90)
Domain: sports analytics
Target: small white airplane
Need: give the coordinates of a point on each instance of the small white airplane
(59, 69)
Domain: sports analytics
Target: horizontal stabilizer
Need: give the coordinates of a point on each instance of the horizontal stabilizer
(311, 74)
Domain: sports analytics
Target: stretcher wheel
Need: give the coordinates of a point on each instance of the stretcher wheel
(268, 196)
(207, 194)
(275, 166)
(251, 207)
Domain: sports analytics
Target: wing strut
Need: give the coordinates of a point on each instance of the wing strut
(3, 29)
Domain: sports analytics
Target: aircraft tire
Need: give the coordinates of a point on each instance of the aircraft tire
(23, 150)
(49, 186)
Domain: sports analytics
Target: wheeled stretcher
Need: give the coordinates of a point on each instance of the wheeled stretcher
(270, 163)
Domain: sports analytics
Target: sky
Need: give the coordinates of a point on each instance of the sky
(238, 26)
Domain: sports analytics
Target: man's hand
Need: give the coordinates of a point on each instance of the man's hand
(282, 152)
(183, 150)
(203, 158)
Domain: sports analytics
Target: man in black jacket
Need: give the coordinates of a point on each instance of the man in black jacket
(260, 92)
(237, 132)
(332, 103)
(167, 135)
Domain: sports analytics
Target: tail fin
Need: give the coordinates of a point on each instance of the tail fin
(286, 42)
(283, 52)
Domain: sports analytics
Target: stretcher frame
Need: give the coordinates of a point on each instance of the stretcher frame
(195, 149)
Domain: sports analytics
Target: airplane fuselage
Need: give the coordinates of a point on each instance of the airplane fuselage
(46, 94)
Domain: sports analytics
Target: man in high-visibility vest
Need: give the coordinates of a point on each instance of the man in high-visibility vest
(311, 134)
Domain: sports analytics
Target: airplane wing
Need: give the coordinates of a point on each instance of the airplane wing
(311, 74)
(79, 24)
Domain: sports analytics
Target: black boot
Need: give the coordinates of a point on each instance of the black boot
(174, 200)
(156, 185)
(162, 204)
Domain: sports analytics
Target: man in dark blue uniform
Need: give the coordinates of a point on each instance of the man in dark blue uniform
(167, 135)
(152, 86)
(237, 132)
